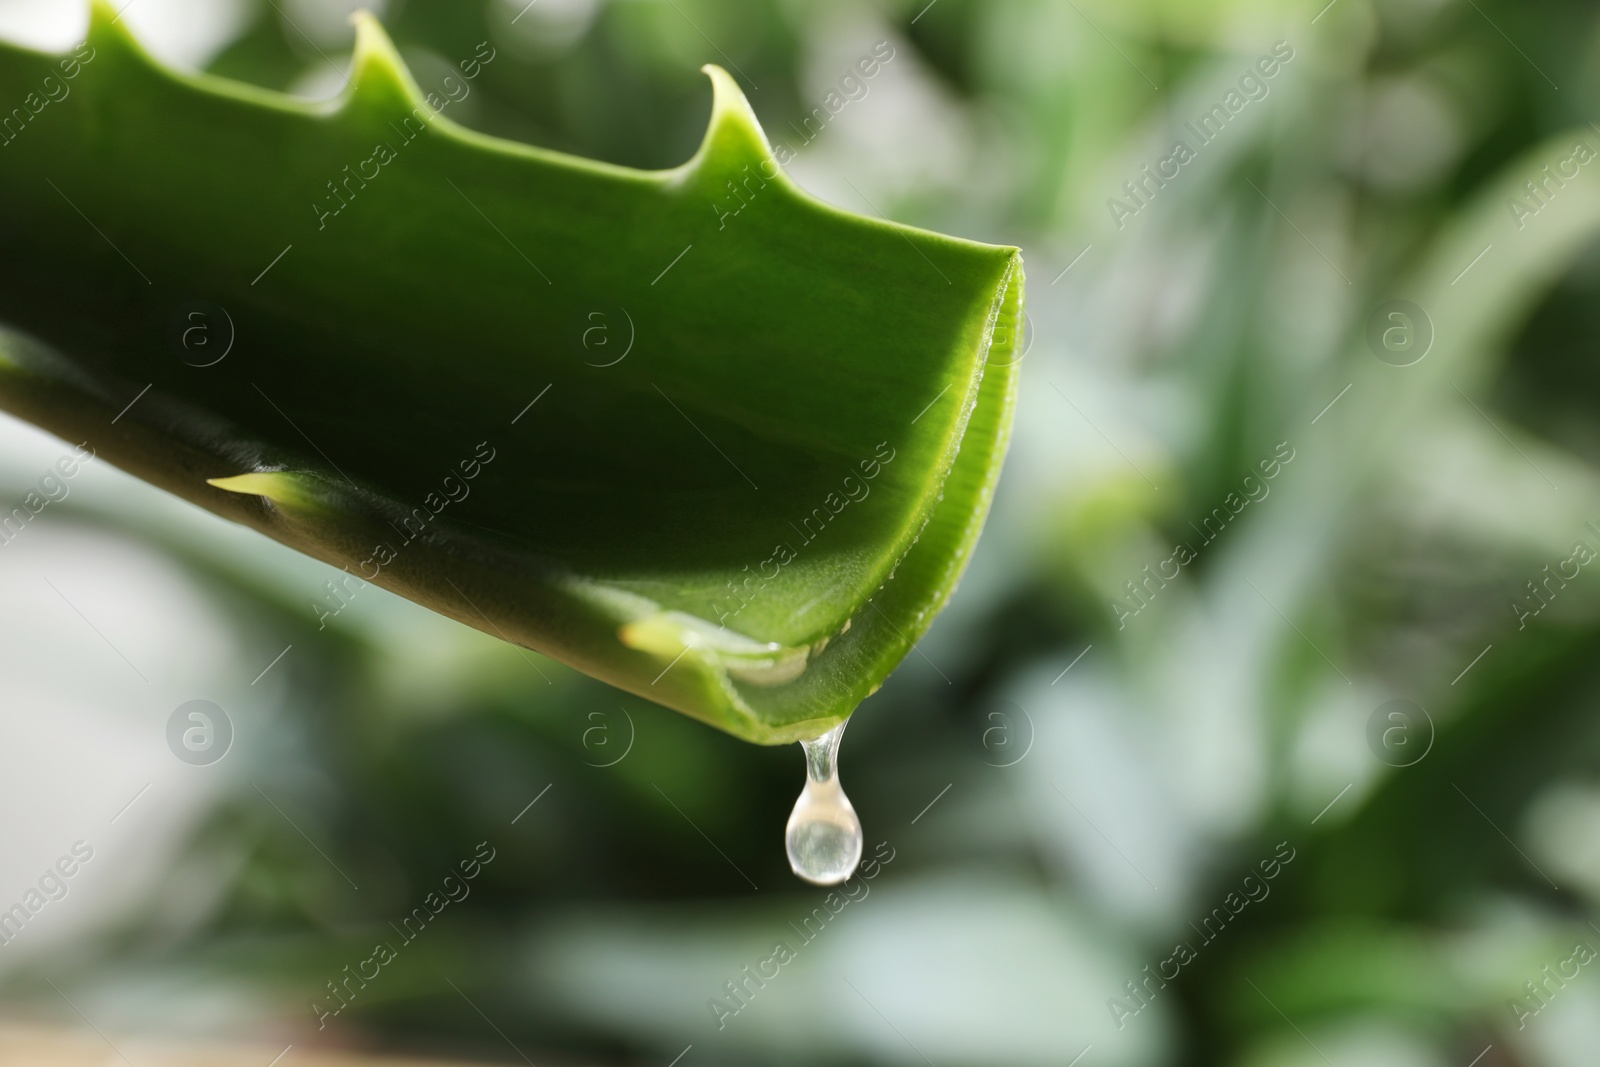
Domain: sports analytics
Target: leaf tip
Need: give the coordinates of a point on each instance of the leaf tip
(734, 138)
(657, 635)
(102, 13)
(377, 73)
(277, 486)
(107, 28)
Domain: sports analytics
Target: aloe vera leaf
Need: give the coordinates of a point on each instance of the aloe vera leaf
(794, 375)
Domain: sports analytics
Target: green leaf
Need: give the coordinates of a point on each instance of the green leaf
(571, 404)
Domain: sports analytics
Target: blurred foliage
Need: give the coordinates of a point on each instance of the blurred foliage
(1147, 778)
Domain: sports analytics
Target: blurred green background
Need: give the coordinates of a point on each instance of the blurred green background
(1105, 749)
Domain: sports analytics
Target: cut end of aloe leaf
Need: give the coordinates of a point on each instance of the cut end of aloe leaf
(691, 431)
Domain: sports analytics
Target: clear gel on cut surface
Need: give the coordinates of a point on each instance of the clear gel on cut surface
(823, 837)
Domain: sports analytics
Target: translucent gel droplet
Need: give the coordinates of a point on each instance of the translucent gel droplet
(824, 835)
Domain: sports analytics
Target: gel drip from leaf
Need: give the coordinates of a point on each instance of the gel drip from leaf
(824, 836)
